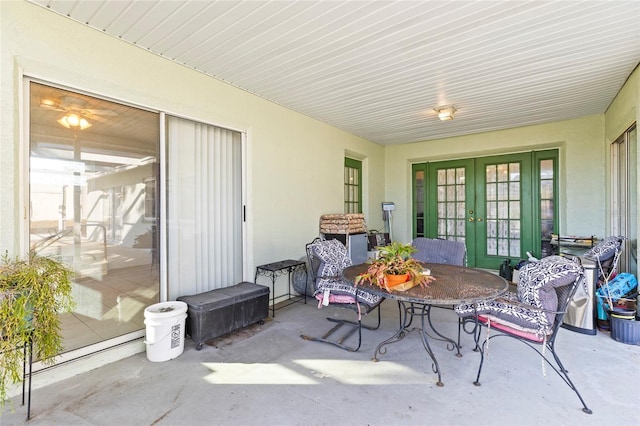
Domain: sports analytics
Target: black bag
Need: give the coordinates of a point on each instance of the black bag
(506, 271)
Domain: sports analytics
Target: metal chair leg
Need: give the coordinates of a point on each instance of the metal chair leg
(559, 368)
(27, 347)
(353, 327)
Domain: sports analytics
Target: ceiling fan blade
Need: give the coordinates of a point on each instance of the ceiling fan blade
(50, 106)
(98, 118)
(91, 111)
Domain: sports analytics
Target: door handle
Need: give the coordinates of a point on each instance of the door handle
(471, 219)
(479, 219)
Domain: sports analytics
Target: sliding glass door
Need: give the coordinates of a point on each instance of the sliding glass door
(205, 208)
(92, 203)
(100, 201)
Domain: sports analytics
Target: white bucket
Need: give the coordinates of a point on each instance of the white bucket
(165, 330)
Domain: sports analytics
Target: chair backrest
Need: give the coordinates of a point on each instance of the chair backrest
(431, 250)
(544, 291)
(565, 294)
(327, 259)
(313, 262)
(606, 254)
(549, 284)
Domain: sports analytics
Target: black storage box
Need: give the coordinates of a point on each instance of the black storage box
(220, 311)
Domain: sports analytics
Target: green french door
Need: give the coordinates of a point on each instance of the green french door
(500, 206)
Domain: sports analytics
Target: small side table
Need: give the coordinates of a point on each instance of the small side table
(277, 269)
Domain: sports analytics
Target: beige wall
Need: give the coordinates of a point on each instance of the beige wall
(582, 180)
(294, 163)
(625, 108)
(584, 159)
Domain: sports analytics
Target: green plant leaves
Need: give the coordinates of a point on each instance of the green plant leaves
(33, 292)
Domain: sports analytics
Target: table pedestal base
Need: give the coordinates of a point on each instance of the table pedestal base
(407, 312)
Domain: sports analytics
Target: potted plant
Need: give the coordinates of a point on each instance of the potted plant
(393, 266)
(33, 292)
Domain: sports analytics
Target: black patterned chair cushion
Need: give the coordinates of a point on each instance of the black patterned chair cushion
(334, 258)
(432, 250)
(605, 249)
(535, 303)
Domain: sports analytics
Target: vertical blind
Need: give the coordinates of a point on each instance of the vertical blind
(204, 207)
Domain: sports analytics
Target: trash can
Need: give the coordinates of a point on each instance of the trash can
(581, 316)
(165, 330)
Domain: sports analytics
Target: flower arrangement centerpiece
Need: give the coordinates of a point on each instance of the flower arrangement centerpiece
(395, 266)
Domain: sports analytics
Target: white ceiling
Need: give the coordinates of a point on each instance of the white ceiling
(378, 68)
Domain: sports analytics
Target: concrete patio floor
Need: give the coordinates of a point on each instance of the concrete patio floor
(267, 375)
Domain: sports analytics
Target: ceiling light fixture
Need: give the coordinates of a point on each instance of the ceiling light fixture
(75, 121)
(445, 112)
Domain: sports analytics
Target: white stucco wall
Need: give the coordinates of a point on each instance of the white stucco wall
(295, 163)
(625, 108)
(582, 180)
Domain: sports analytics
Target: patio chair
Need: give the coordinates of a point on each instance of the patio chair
(436, 250)
(605, 254)
(533, 315)
(326, 261)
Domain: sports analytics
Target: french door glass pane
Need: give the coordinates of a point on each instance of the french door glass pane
(547, 203)
(450, 192)
(419, 188)
(503, 209)
(92, 165)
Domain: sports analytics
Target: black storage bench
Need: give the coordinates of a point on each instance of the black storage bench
(220, 311)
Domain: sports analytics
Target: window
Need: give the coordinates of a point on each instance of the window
(624, 211)
(352, 186)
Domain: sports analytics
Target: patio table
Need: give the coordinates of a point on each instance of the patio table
(453, 285)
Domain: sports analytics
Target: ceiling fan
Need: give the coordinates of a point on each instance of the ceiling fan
(75, 111)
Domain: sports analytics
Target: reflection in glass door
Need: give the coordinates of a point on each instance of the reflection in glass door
(90, 161)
